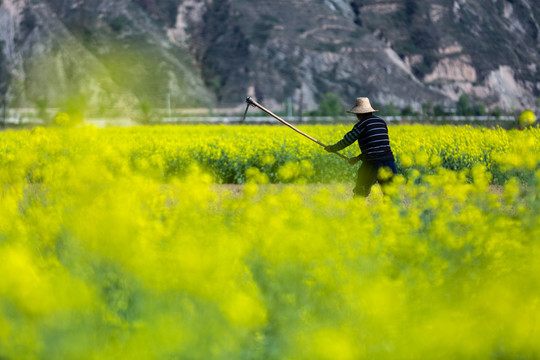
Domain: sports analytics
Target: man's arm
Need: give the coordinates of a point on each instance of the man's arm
(347, 140)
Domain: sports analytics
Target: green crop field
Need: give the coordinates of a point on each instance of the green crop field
(243, 242)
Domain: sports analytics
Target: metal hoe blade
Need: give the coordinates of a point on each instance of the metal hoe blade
(245, 113)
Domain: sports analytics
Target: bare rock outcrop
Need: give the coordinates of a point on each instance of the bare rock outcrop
(208, 52)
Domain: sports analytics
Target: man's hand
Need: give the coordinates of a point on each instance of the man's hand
(354, 160)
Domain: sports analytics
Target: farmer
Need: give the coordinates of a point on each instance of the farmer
(372, 135)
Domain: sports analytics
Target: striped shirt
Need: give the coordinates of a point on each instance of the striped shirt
(372, 136)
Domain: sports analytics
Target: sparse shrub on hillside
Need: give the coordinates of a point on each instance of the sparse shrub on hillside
(118, 23)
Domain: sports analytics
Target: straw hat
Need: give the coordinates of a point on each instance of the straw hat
(362, 106)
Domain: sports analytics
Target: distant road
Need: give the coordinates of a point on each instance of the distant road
(125, 121)
(323, 119)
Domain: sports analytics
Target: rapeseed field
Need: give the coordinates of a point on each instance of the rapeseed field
(127, 243)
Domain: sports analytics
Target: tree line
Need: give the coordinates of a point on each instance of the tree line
(331, 105)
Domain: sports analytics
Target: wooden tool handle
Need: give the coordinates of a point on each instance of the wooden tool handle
(250, 101)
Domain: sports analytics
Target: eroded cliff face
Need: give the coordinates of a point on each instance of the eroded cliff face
(294, 49)
(404, 52)
(209, 52)
(95, 54)
(486, 49)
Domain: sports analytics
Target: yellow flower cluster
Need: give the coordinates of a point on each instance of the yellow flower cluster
(121, 243)
(527, 118)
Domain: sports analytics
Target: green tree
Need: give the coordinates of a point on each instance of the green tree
(41, 104)
(408, 111)
(146, 112)
(5, 77)
(497, 112)
(478, 109)
(427, 109)
(438, 110)
(75, 106)
(330, 105)
(388, 110)
(462, 106)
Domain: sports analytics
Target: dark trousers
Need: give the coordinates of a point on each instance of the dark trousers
(368, 176)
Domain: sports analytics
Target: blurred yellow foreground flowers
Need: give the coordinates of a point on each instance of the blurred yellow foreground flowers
(120, 243)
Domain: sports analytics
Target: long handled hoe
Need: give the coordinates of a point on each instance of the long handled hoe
(252, 102)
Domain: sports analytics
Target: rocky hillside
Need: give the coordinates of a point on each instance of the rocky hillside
(116, 54)
(109, 54)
